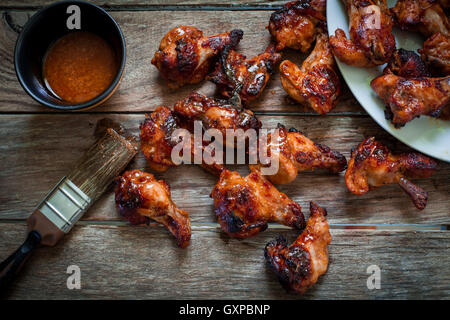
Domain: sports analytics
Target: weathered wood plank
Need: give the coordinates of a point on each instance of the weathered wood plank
(37, 150)
(144, 263)
(142, 88)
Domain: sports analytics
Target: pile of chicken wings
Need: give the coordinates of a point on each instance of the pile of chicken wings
(411, 85)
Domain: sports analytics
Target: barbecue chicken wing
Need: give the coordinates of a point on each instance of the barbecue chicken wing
(373, 165)
(436, 54)
(234, 74)
(295, 24)
(406, 64)
(316, 84)
(424, 16)
(371, 40)
(299, 265)
(244, 206)
(409, 98)
(295, 153)
(186, 56)
(215, 114)
(158, 140)
(140, 197)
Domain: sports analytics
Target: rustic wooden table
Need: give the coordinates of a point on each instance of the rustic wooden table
(117, 260)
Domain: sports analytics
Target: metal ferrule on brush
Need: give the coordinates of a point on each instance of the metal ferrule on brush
(64, 205)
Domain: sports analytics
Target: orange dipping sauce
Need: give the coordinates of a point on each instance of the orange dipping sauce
(79, 67)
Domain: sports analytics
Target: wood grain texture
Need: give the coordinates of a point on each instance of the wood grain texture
(142, 89)
(37, 150)
(39, 145)
(144, 263)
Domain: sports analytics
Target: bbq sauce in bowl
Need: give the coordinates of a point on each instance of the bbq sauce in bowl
(79, 67)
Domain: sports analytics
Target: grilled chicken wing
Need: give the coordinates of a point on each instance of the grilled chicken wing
(234, 74)
(214, 113)
(436, 54)
(244, 206)
(158, 139)
(185, 55)
(299, 265)
(371, 40)
(140, 197)
(410, 98)
(295, 152)
(406, 64)
(424, 16)
(295, 24)
(316, 83)
(373, 165)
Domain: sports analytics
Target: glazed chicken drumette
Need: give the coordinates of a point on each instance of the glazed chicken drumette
(316, 84)
(294, 152)
(436, 54)
(424, 16)
(373, 165)
(186, 56)
(159, 136)
(244, 205)
(406, 64)
(417, 93)
(295, 24)
(214, 114)
(140, 197)
(236, 75)
(410, 98)
(371, 40)
(299, 265)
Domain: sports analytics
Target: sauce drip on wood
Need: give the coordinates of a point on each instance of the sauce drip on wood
(79, 67)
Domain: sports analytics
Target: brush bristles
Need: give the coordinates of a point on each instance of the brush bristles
(102, 163)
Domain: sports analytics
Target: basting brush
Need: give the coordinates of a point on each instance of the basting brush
(66, 203)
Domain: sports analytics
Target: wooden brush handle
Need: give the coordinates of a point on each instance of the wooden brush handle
(50, 234)
(41, 232)
(12, 265)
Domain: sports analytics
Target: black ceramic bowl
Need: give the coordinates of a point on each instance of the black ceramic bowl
(47, 26)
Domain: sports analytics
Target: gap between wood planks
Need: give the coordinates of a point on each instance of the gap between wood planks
(272, 226)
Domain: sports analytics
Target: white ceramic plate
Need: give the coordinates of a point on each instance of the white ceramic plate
(428, 135)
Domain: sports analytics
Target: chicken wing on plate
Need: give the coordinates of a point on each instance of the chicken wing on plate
(295, 24)
(244, 205)
(299, 265)
(295, 152)
(186, 56)
(406, 64)
(373, 165)
(436, 54)
(410, 98)
(424, 16)
(371, 40)
(316, 84)
(140, 197)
